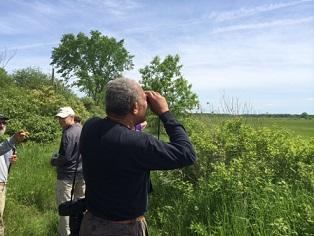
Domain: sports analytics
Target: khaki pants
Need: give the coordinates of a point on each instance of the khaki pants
(95, 226)
(3, 189)
(64, 194)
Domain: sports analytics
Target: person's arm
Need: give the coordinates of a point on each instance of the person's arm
(7, 145)
(158, 155)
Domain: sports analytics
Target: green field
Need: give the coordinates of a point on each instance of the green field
(304, 127)
(297, 126)
(247, 181)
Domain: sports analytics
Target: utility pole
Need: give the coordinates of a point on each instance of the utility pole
(53, 79)
(53, 75)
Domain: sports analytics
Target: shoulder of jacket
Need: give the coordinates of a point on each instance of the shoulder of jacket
(92, 121)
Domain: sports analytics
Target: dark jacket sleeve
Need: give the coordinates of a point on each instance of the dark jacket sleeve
(6, 145)
(158, 155)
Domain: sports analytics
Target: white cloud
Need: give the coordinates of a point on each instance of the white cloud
(117, 8)
(226, 16)
(245, 11)
(45, 8)
(276, 23)
(33, 45)
(238, 77)
(7, 28)
(20, 24)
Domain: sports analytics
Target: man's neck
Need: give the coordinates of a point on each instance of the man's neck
(125, 120)
(69, 125)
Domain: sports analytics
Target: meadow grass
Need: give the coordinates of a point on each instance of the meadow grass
(297, 126)
(303, 127)
(30, 204)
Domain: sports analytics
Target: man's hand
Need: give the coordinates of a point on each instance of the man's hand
(143, 125)
(157, 103)
(20, 136)
(13, 159)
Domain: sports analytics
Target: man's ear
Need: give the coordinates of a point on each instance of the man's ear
(135, 108)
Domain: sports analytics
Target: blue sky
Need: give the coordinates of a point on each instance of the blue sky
(257, 54)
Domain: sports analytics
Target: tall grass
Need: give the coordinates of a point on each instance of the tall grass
(30, 204)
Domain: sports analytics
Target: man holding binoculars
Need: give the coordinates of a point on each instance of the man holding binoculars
(117, 160)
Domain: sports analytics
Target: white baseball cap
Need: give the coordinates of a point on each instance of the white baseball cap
(64, 112)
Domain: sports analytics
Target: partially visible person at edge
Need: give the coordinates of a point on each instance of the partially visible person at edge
(117, 160)
(66, 162)
(10, 143)
(7, 158)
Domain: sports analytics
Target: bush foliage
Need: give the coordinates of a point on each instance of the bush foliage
(30, 99)
(245, 182)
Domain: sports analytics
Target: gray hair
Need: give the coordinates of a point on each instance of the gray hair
(121, 94)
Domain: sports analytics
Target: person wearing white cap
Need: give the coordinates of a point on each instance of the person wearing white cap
(67, 162)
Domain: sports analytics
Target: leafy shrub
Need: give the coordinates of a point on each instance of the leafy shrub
(245, 182)
(31, 78)
(33, 104)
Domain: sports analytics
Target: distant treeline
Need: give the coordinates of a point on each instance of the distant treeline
(304, 115)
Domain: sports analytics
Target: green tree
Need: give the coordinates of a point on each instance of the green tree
(34, 78)
(304, 115)
(91, 62)
(166, 78)
(5, 78)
